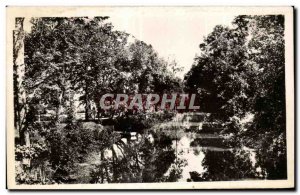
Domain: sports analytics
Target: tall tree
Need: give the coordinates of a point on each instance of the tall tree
(240, 71)
(267, 49)
(21, 109)
(218, 74)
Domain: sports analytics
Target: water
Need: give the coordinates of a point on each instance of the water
(180, 150)
(205, 156)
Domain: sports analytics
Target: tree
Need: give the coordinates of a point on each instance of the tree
(49, 59)
(98, 48)
(20, 104)
(152, 74)
(80, 56)
(269, 125)
(240, 71)
(218, 74)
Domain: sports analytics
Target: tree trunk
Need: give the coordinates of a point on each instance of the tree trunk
(20, 105)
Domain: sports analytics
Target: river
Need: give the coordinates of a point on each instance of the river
(202, 155)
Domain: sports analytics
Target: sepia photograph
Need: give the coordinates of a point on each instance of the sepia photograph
(150, 97)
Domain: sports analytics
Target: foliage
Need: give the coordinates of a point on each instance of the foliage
(141, 121)
(241, 70)
(79, 58)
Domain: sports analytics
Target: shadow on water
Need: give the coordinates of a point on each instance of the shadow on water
(177, 150)
(203, 155)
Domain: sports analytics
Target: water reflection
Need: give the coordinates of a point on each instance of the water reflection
(170, 152)
(225, 165)
(144, 160)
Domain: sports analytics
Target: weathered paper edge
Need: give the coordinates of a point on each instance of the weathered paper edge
(13, 12)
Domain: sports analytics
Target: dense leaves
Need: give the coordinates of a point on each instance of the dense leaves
(239, 74)
(70, 63)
